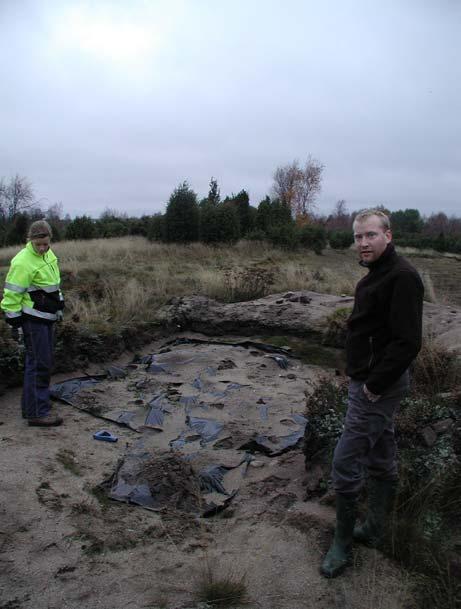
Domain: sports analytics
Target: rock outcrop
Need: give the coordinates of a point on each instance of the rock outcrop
(306, 314)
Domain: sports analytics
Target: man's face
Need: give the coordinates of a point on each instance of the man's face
(41, 245)
(371, 238)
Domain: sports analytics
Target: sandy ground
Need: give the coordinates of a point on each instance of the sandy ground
(64, 546)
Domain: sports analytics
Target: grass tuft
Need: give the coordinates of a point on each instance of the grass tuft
(436, 369)
(68, 460)
(221, 589)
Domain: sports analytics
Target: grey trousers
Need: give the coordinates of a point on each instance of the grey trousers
(368, 441)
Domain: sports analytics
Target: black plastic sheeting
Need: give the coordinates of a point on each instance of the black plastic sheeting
(156, 415)
(281, 361)
(127, 485)
(277, 445)
(114, 372)
(246, 344)
(68, 390)
(207, 429)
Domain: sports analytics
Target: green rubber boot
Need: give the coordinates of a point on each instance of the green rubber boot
(339, 555)
(381, 496)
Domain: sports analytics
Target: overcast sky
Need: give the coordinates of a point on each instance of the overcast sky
(113, 103)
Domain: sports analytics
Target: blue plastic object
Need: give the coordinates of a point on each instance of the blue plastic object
(105, 436)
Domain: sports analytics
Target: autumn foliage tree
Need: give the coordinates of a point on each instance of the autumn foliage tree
(299, 185)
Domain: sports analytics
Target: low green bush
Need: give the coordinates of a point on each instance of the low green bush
(340, 239)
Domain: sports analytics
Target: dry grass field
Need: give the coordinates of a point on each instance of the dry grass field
(127, 280)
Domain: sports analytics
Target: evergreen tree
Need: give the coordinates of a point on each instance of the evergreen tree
(263, 215)
(272, 213)
(214, 195)
(408, 221)
(209, 223)
(17, 230)
(182, 215)
(82, 227)
(313, 237)
(219, 224)
(241, 202)
(229, 223)
(156, 228)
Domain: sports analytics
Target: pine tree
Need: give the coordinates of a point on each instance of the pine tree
(182, 215)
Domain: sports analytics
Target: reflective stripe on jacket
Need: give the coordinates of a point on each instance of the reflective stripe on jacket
(32, 286)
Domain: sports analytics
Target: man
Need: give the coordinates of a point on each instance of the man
(32, 302)
(384, 337)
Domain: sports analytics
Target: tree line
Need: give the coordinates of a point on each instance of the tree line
(287, 218)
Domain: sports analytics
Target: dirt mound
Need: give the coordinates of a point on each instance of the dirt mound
(172, 482)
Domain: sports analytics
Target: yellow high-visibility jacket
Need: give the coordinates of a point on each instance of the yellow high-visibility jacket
(32, 286)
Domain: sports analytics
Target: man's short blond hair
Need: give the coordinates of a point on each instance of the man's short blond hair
(367, 213)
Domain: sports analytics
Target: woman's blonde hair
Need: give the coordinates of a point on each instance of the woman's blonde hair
(39, 229)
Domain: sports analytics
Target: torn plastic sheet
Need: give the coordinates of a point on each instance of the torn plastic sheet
(167, 480)
(126, 418)
(135, 419)
(179, 442)
(277, 445)
(246, 344)
(264, 412)
(188, 401)
(208, 429)
(145, 359)
(212, 477)
(171, 361)
(281, 361)
(115, 372)
(68, 390)
(198, 384)
(156, 415)
(155, 368)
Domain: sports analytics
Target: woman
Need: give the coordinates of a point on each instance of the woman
(33, 301)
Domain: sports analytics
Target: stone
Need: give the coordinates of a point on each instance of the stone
(428, 436)
(443, 425)
(264, 317)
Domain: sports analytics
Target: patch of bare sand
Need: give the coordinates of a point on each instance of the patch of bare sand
(64, 546)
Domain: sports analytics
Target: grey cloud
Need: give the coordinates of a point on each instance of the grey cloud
(234, 91)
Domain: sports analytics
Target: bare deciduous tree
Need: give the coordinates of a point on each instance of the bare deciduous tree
(15, 196)
(298, 186)
(54, 212)
(340, 219)
(436, 223)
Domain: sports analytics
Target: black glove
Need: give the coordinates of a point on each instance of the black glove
(14, 322)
